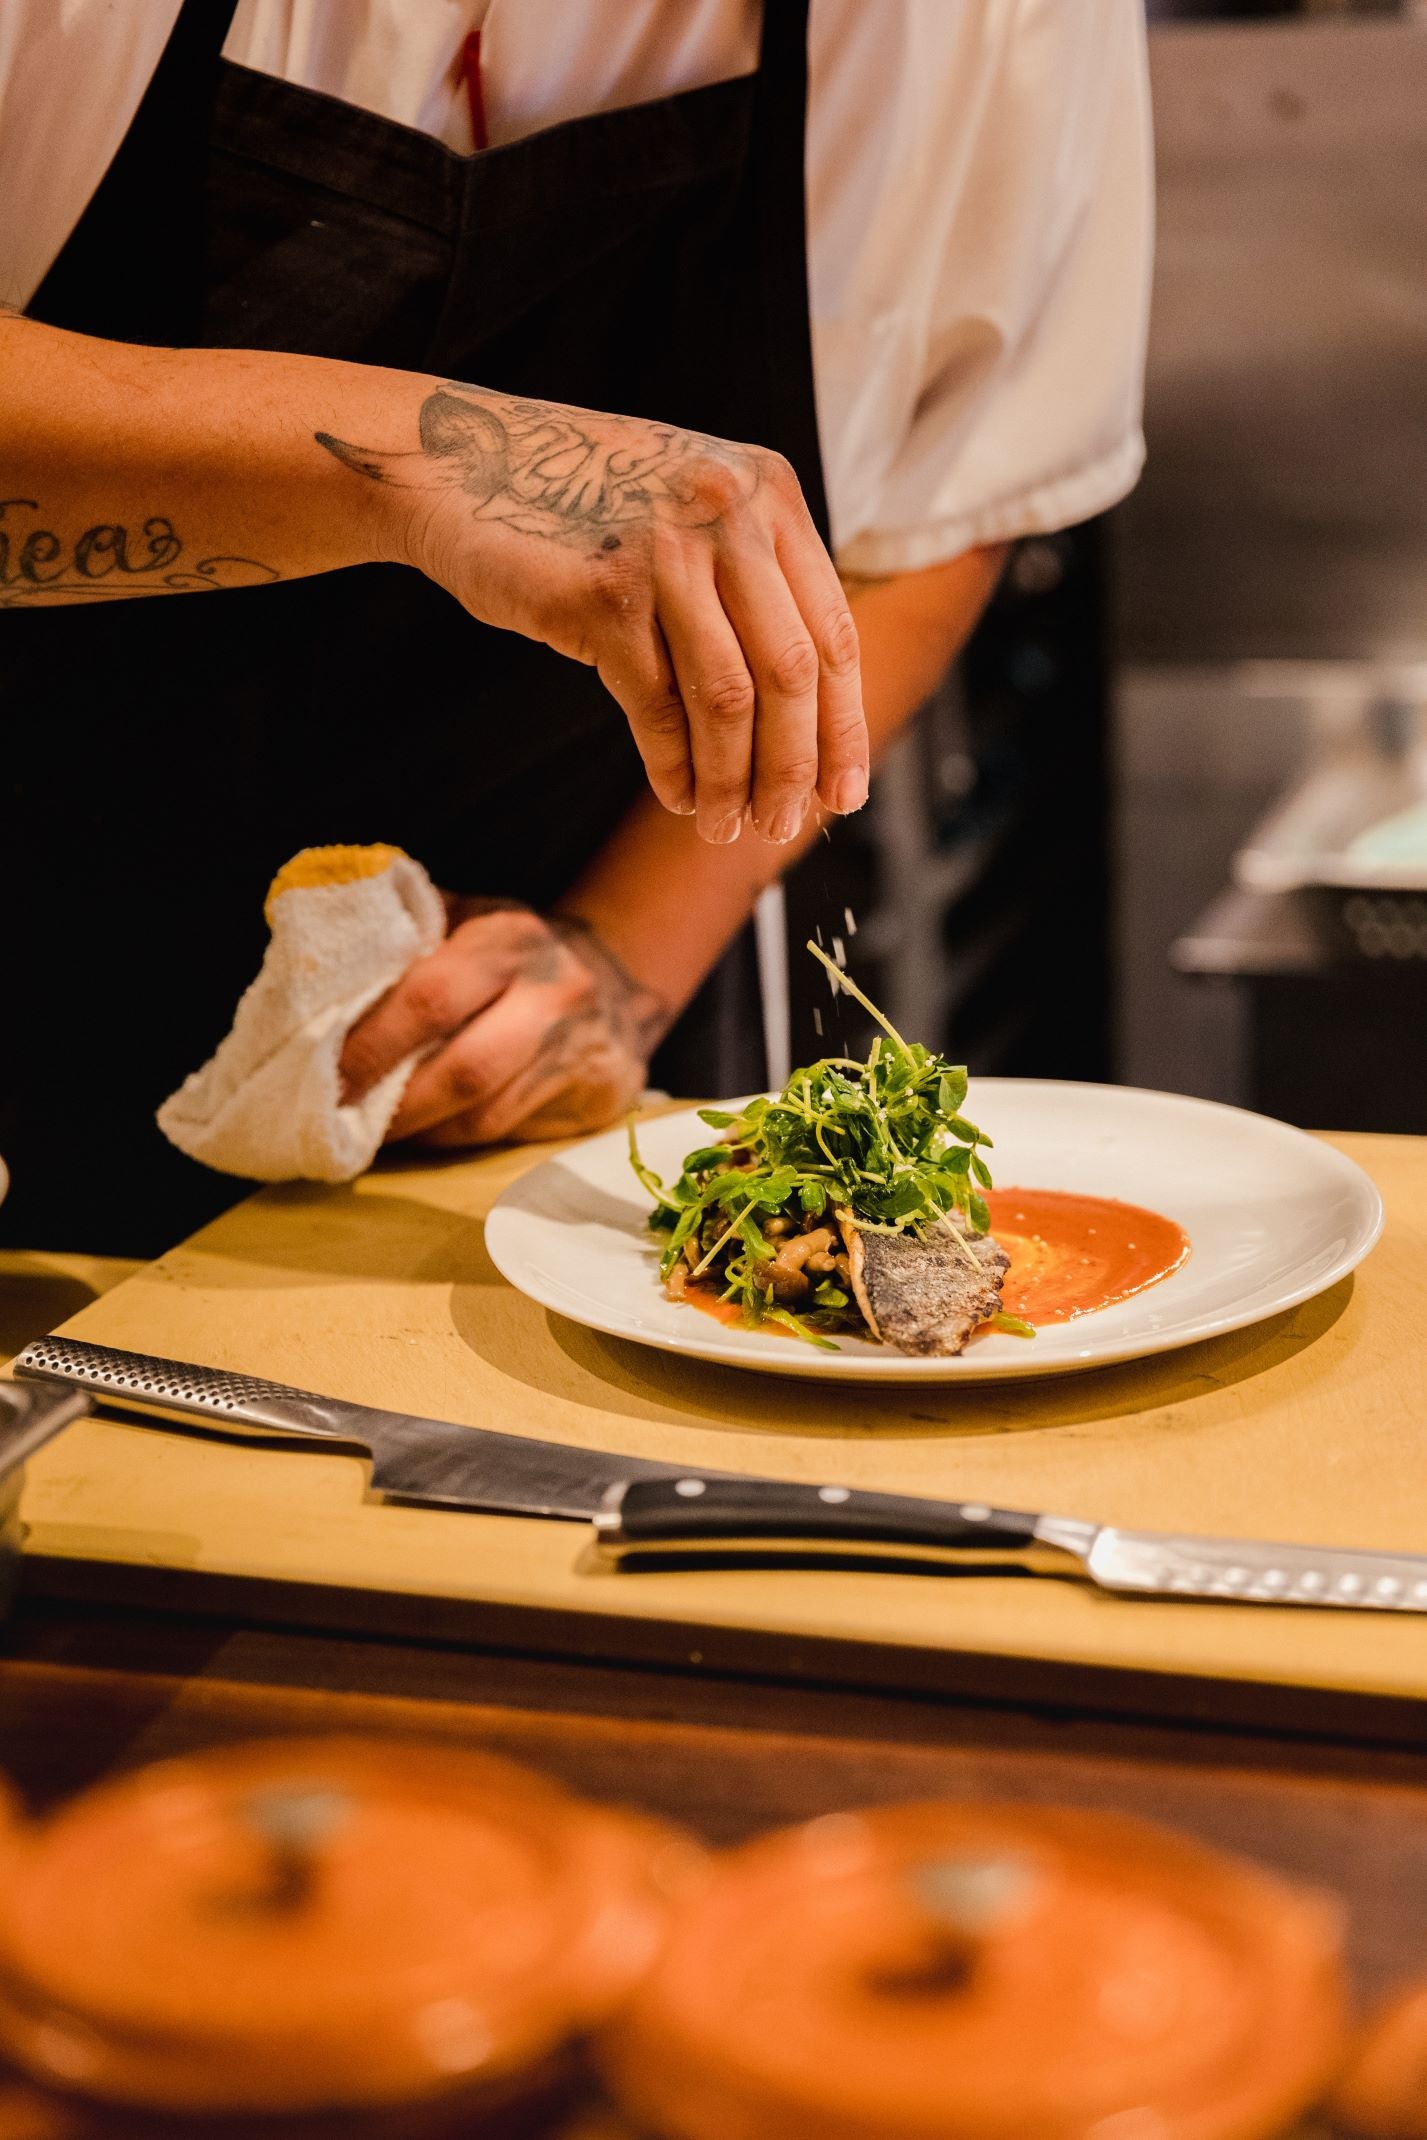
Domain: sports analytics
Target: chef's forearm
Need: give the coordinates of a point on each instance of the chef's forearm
(664, 901)
(134, 471)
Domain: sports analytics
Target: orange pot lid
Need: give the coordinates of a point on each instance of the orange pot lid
(965, 1972)
(1383, 2091)
(320, 1923)
(26, 2114)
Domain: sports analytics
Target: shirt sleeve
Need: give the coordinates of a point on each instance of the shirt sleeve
(980, 294)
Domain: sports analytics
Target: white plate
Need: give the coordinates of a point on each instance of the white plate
(1272, 1215)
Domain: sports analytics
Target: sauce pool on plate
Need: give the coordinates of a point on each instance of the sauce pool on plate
(1072, 1254)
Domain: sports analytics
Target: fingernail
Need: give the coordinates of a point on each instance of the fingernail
(725, 830)
(683, 803)
(787, 823)
(851, 791)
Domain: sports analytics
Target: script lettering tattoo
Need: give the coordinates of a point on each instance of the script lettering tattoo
(566, 475)
(37, 564)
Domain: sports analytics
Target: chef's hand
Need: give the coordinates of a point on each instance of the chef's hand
(535, 1030)
(686, 570)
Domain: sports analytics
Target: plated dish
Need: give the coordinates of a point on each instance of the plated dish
(859, 1201)
(1273, 1216)
(850, 1227)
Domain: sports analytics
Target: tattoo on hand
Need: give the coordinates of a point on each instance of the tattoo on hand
(37, 564)
(638, 1017)
(567, 475)
(595, 1051)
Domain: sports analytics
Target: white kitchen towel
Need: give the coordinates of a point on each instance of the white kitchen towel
(269, 1103)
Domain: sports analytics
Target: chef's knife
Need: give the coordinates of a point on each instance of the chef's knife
(646, 1513)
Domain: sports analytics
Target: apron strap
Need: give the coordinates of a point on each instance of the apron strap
(787, 350)
(143, 279)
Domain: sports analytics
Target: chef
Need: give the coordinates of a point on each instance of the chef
(507, 372)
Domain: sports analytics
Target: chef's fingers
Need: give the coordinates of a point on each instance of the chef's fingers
(436, 996)
(718, 692)
(784, 662)
(525, 1034)
(843, 753)
(634, 666)
(591, 1089)
(507, 1114)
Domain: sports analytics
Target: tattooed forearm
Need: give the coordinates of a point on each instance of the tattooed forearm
(39, 564)
(568, 475)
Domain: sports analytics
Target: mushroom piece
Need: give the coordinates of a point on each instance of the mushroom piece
(786, 1277)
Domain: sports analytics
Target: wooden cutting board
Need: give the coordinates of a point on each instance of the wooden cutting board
(1310, 1427)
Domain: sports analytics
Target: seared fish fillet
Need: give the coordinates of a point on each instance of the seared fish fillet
(925, 1296)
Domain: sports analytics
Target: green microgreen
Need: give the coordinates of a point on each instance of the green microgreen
(885, 1139)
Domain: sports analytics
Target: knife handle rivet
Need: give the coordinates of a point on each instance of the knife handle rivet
(974, 1512)
(1387, 1586)
(1310, 1580)
(690, 1488)
(1273, 1579)
(1349, 1583)
(1236, 1575)
(834, 1493)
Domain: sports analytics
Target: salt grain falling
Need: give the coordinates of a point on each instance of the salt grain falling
(817, 1022)
(839, 950)
(849, 921)
(819, 935)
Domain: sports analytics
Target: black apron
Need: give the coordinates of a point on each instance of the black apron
(164, 756)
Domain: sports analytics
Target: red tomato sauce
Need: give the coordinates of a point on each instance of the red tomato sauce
(1072, 1254)
(706, 1299)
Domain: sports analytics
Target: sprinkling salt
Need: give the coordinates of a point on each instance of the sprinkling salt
(818, 1021)
(849, 921)
(839, 950)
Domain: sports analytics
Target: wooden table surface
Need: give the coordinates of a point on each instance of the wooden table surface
(1304, 1427)
(87, 1692)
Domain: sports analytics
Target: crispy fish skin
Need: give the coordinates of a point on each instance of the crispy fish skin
(925, 1297)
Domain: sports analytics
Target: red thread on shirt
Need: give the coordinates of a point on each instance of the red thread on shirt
(475, 94)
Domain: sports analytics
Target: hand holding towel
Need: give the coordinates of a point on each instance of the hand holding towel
(346, 924)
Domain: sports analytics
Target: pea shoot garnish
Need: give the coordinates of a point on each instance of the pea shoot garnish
(758, 1214)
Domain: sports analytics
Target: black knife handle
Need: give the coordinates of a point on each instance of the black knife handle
(670, 1518)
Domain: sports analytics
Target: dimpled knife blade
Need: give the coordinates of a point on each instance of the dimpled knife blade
(1247, 1571)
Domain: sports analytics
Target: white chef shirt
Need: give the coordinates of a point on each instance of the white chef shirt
(979, 205)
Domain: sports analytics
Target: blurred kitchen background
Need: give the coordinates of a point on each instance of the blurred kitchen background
(1169, 823)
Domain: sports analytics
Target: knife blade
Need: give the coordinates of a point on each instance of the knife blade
(429, 1461)
(651, 1514)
